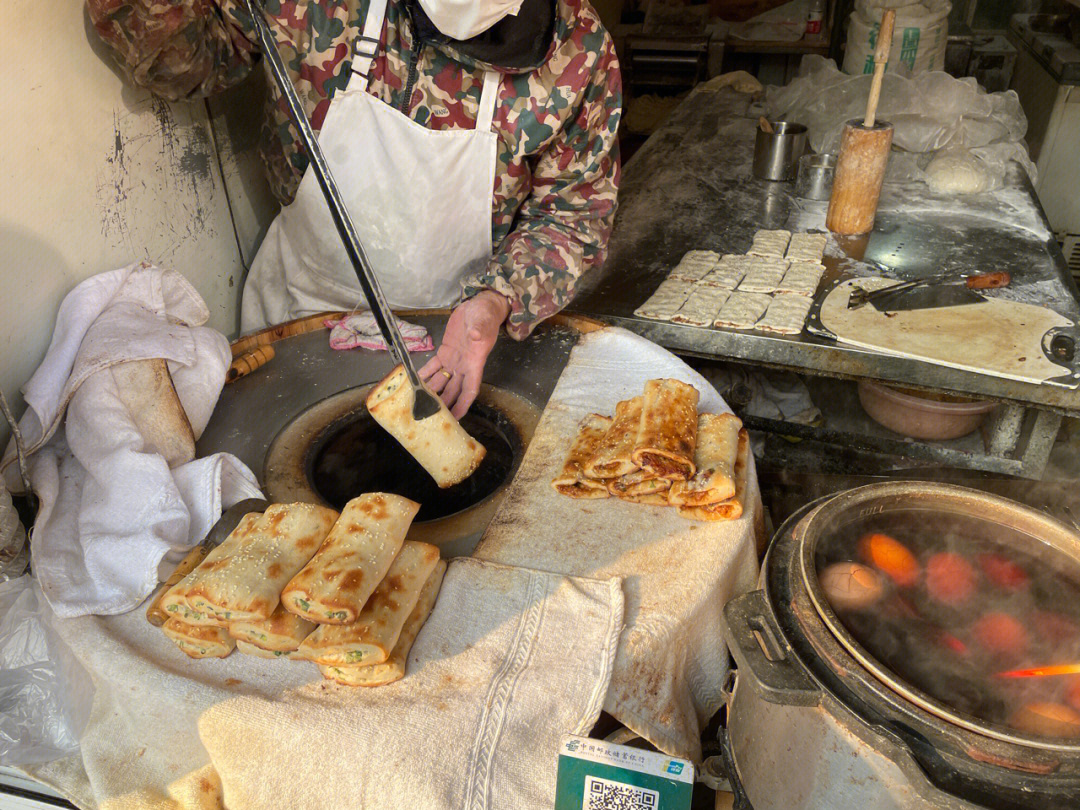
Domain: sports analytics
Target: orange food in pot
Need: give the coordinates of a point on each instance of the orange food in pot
(1001, 634)
(1072, 692)
(891, 557)
(1047, 720)
(950, 579)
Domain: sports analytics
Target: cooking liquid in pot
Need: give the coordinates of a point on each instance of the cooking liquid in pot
(957, 601)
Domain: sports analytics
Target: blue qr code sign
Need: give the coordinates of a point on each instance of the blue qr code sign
(606, 794)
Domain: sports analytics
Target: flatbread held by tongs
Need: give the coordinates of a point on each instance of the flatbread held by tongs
(667, 434)
(351, 563)
(393, 669)
(439, 443)
(372, 637)
(573, 481)
(241, 579)
(613, 456)
(715, 457)
(732, 508)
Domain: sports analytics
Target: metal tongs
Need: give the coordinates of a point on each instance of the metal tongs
(978, 281)
(425, 403)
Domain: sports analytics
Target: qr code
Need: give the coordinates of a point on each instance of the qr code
(604, 794)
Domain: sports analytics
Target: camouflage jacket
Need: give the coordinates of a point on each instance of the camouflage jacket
(558, 162)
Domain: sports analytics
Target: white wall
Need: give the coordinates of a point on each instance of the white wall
(95, 175)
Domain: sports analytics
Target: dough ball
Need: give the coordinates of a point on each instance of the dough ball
(957, 173)
(851, 586)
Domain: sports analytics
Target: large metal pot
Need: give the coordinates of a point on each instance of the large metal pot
(815, 722)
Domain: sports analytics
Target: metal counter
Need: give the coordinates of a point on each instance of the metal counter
(690, 187)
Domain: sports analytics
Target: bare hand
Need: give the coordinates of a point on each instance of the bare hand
(458, 366)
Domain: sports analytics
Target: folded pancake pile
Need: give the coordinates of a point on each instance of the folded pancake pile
(301, 581)
(658, 450)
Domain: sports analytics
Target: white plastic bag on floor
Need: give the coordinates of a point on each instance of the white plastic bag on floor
(45, 694)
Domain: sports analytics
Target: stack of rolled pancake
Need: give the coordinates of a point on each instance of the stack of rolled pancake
(658, 450)
(301, 581)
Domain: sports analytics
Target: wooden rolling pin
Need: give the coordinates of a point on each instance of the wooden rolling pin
(247, 363)
(864, 153)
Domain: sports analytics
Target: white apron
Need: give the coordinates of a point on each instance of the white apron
(420, 200)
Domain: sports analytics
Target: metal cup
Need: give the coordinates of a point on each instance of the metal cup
(776, 153)
(814, 181)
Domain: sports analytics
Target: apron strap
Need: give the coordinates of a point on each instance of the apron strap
(489, 97)
(367, 44)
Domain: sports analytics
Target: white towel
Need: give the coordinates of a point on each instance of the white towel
(110, 508)
(508, 661)
(677, 573)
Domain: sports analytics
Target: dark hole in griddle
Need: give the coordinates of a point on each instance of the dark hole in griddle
(354, 455)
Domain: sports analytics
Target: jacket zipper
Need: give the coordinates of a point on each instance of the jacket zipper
(410, 81)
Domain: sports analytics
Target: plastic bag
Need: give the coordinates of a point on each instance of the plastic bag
(45, 694)
(929, 112)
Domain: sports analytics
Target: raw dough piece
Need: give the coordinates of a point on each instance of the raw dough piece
(957, 173)
(729, 272)
(764, 275)
(742, 310)
(701, 307)
(770, 243)
(666, 301)
(695, 265)
(801, 278)
(806, 247)
(786, 314)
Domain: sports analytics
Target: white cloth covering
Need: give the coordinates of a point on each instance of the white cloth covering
(677, 573)
(508, 661)
(111, 510)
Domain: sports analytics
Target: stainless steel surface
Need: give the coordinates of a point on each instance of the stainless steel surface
(690, 187)
(255, 409)
(1048, 537)
(777, 153)
(815, 177)
(425, 403)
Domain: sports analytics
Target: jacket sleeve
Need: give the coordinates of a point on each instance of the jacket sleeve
(562, 228)
(177, 49)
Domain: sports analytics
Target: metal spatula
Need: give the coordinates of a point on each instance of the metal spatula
(425, 403)
(945, 290)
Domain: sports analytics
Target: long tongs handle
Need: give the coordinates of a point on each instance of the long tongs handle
(368, 281)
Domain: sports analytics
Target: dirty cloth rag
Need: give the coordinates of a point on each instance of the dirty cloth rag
(111, 509)
(677, 573)
(508, 661)
(359, 330)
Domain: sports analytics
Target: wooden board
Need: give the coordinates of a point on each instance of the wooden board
(998, 337)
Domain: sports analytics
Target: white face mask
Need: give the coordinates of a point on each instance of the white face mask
(464, 19)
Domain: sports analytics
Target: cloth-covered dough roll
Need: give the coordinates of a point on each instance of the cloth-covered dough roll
(358, 552)
(393, 669)
(241, 579)
(375, 632)
(438, 443)
(282, 632)
(613, 455)
(573, 481)
(667, 435)
(732, 508)
(198, 641)
(717, 449)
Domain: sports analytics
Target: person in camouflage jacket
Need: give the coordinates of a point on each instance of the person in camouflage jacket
(557, 117)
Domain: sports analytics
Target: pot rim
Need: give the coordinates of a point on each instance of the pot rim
(963, 501)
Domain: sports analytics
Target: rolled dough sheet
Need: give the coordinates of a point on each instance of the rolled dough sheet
(786, 314)
(770, 243)
(764, 275)
(729, 272)
(742, 310)
(998, 337)
(806, 247)
(801, 278)
(666, 301)
(702, 306)
(695, 265)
